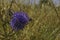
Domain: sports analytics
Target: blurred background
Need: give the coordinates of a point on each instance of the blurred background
(45, 24)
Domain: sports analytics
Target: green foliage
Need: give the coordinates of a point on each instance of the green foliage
(44, 26)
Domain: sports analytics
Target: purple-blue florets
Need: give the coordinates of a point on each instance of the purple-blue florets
(19, 20)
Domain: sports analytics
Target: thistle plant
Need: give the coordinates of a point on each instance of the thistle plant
(19, 20)
(29, 22)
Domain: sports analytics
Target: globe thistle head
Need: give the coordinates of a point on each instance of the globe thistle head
(19, 20)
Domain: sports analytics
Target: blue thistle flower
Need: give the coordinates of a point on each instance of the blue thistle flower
(19, 20)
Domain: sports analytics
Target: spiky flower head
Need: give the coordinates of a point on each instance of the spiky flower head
(19, 20)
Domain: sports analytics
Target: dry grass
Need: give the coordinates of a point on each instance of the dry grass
(44, 26)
